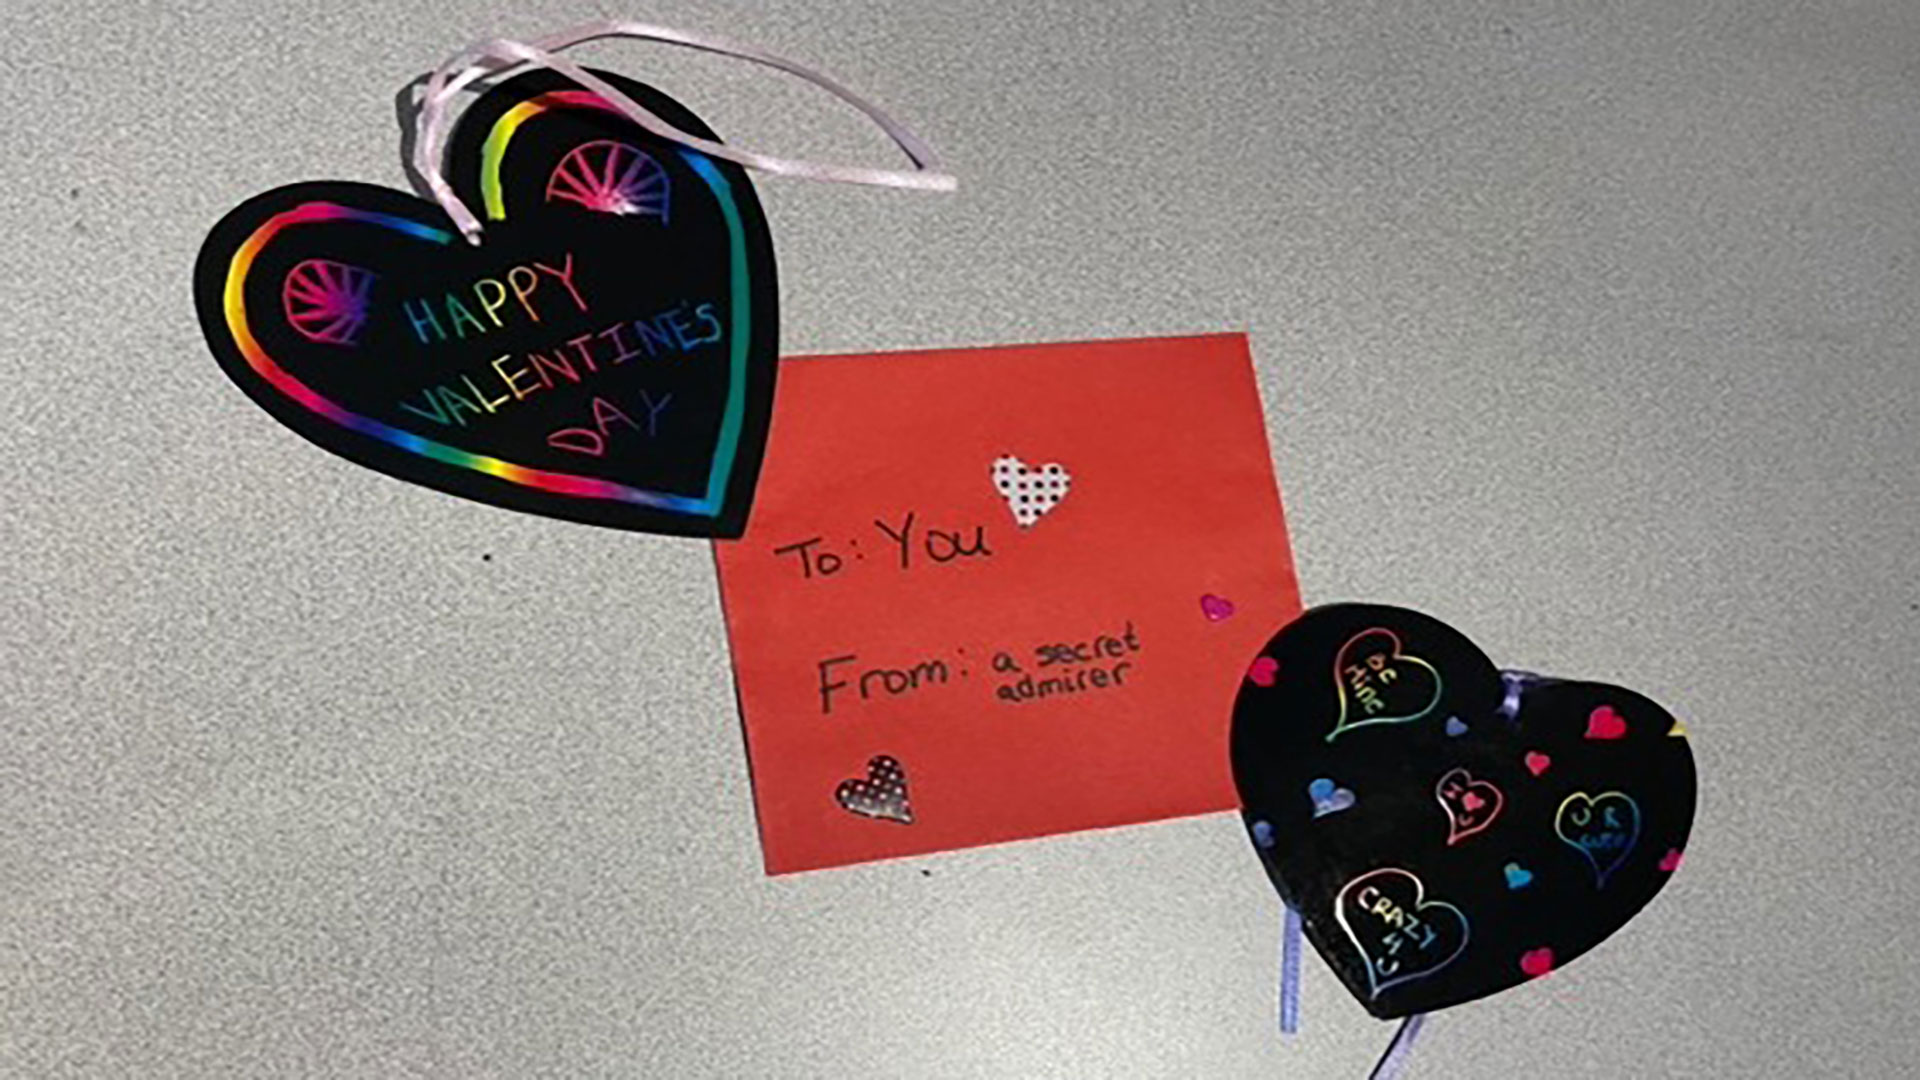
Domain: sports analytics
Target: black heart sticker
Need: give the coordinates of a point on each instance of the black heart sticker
(1489, 826)
(882, 795)
(606, 354)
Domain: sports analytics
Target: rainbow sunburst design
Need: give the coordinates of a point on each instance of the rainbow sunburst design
(326, 301)
(611, 177)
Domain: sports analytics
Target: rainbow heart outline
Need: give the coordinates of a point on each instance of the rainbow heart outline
(1461, 820)
(1592, 803)
(263, 364)
(1340, 725)
(705, 486)
(1420, 903)
(1519, 886)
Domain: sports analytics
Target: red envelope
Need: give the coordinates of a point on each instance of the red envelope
(990, 594)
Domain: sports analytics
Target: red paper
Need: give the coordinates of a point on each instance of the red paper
(919, 671)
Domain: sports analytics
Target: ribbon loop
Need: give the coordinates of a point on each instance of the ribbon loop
(492, 58)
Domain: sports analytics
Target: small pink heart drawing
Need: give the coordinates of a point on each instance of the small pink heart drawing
(1671, 860)
(1216, 608)
(1536, 962)
(1264, 671)
(1537, 762)
(1472, 801)
(1604, 723)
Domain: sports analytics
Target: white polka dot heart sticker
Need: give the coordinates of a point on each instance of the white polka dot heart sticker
(1030, 492)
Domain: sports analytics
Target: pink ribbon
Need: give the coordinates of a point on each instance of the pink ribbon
(491, 58)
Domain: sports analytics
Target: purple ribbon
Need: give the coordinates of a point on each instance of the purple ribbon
(1401, 1048)
(1289, 971)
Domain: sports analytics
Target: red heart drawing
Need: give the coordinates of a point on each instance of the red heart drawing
(882, 795)
(1536, 962)
(1263, 671)
(1537, 762)
(1604, 723)
(1216, 608)
(1671, 860)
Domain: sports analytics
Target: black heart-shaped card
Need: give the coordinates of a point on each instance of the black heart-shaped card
(605, 354)
(1447, 830)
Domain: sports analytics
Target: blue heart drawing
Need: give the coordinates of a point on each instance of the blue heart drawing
(1518, 877)
(1455, 728)
(1327, 798)
(1263, 835)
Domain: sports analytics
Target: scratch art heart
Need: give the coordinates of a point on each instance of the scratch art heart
(601, 348)
(1553, 839)
(605, 355)
(1399, 933)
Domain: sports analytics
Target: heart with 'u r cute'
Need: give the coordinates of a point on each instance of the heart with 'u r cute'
(1505, 827)
(605, 353)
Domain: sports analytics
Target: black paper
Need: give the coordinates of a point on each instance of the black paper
(1446, 830)
(605, 355)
